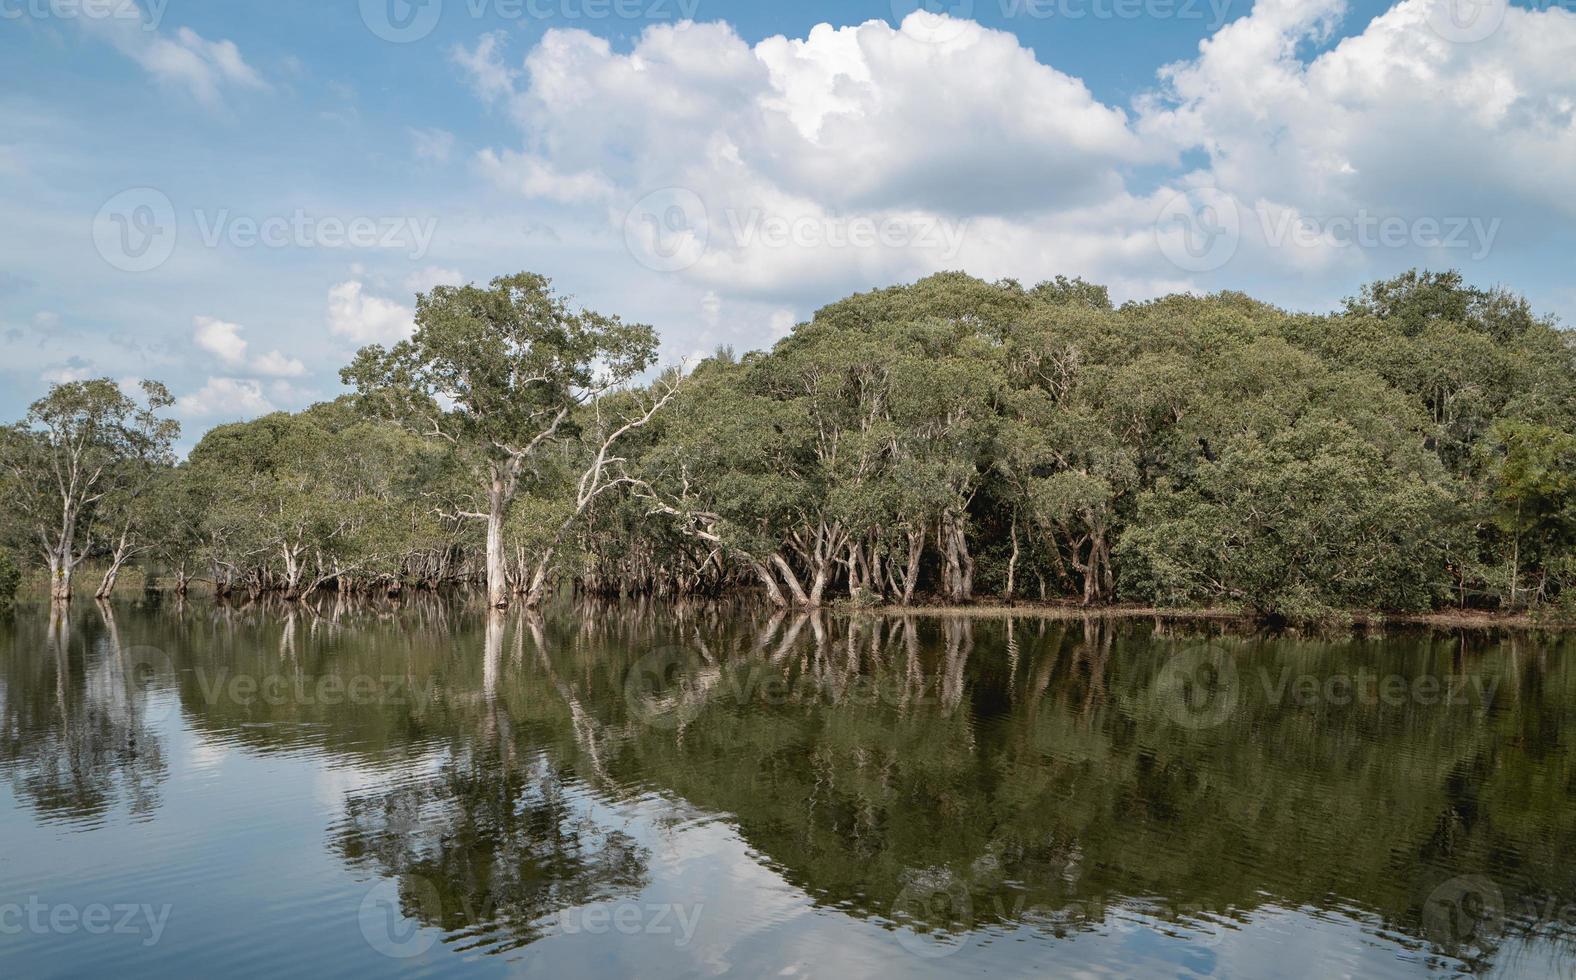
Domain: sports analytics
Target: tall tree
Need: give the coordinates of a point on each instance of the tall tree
(80, 447)
(496, 373)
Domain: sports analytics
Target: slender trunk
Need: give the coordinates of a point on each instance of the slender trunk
(916, 551)
(497, 568)
(773, 591)
(1012, 562)
(538, 589)
(107, 583)
(790, 579)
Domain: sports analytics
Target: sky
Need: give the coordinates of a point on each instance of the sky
(232, 197)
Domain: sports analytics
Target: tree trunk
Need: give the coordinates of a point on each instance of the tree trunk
(538, 588)
(497, 568)
(790, 579)
(773, 591)
(107, 584)
(1012, 562)
(60, 570)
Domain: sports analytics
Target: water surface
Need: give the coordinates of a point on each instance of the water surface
(609, 791)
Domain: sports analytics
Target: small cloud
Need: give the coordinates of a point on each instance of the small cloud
(229, 397)
(434, 145)
(782, 324)
(711, 307)
(275, 364)
(221, 339)
(73, 369)
(424, 279)
(365, 319)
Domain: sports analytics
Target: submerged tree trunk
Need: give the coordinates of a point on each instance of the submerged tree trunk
(497, 568)
(60, 569)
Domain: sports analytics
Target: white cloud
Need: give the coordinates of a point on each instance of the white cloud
(975, 155)
(221, 339)
(434, 145)
(362, 318)
(782, 324)
(276, 364)
(484, 66)
(532, 176)
(1395, 119)
(189, 61)
(67, 373)
(424, 279)
(226, 397)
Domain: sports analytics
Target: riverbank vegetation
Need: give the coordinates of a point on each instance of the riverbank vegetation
(947, 440)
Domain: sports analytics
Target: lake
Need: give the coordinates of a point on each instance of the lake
(425, 789)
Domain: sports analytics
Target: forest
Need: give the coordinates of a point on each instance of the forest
(944, 442)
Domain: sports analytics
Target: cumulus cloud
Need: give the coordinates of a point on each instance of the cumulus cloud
(75, 369)
(868, 154)
(422, 280)
(361, 318)
(224, 341)
(221, 339)
(226, 397)
(188, 61)
(277, 365)
(1395, 115)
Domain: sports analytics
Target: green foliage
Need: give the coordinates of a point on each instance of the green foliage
(946, 438)
(10, 579)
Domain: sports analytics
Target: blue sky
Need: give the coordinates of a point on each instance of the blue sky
(231, 197)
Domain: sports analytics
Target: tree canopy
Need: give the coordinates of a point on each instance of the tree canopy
(948, 439)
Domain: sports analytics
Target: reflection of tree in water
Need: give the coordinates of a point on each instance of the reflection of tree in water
(1036, 767)
(491, 846)
(74, 737)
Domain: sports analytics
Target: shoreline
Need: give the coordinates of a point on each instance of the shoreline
(1066, 609)
(996, 608)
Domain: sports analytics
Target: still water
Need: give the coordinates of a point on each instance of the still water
(610, 791)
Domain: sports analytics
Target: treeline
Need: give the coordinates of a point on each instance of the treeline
(946, 440)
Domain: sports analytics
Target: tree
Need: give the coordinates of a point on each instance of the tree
(10, 578)
(496, 373)
(84, 448)
(1532, 485)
